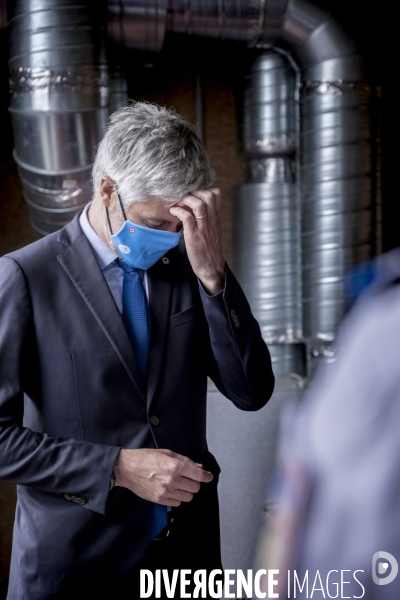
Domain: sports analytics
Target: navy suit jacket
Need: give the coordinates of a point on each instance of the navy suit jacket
(71, 396)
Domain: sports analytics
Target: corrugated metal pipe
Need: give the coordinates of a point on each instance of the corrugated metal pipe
(266, 211)
(337, 163)
(141, 24)
(118, 89)
(59, 105)
(138, 24)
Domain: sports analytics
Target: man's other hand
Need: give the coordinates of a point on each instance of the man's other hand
(200, 215)
(161, 476)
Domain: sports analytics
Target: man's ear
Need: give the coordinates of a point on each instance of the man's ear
(107, 192)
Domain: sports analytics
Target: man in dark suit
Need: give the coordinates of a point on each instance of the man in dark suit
(106, 341)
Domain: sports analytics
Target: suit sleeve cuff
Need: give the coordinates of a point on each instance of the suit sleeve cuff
(219, 294)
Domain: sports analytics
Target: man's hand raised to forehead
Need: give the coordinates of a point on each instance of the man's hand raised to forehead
(200, 215)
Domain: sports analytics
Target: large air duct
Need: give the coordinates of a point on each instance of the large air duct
(239, 21)
(118, 89)
(141, 24)
(137, 24)
(337, 148)
(59, 105)
(337, 170)
(266, 211)
(337, 199)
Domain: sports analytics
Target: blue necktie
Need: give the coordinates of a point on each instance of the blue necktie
(135, 315)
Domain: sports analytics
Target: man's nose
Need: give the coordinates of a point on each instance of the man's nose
(174, 226)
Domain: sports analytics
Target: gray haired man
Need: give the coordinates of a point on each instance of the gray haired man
(108, 331)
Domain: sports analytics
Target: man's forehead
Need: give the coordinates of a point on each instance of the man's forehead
(154, 208)
(156, 203)
(158, 200)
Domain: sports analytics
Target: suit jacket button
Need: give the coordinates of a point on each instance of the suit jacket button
(154, 420)
(78, 500)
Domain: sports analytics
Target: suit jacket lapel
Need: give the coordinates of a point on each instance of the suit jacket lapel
(81, 266)
(160, 280)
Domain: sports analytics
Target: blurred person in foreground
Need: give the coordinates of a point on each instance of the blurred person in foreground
(336, 529)
(110, 327)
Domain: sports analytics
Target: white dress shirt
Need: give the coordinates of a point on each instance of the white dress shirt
(113, 273)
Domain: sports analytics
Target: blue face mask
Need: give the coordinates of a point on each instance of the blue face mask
(141, 247)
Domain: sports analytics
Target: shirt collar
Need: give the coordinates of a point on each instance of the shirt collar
(103, 253)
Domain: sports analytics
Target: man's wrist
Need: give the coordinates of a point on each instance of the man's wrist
(215, 285)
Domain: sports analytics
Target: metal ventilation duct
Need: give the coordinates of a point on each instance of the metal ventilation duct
(266, 211)
(59, 105)
(141, 24)
(337, 170)
(138, 24)
(118, 87)
(232, 20)
(337, 198)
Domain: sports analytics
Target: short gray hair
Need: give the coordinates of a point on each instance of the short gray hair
(149, 150)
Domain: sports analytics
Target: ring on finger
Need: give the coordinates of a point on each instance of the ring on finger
(202, 216)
